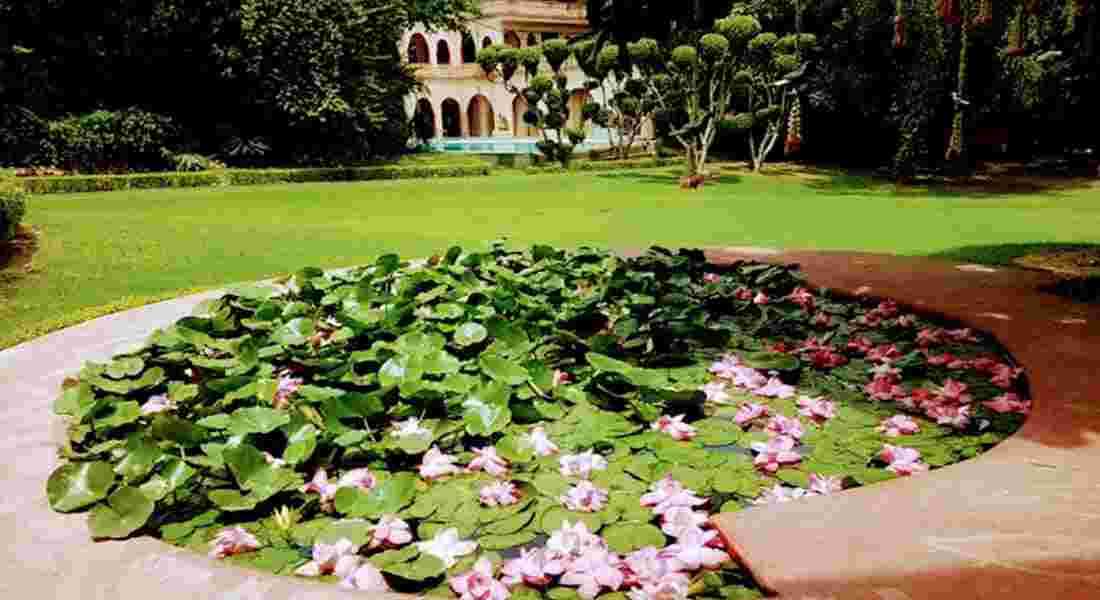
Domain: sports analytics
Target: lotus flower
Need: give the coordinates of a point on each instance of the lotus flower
(778, 494)
(365, 578)
(902, 461)
(775, 389)
(410, 428)
(802, 297)
(716, 392)
(761, 298)
(785, 426)
(584, 497)
(697, 549)
(825, 485)
(234, 540)
(390, 532)
(860, 344)
(437, 464)
(489, 461)
(593, 571)
(499, 493)
(479, 584)
(778, 451)
(447, 547)
(158, 404)
(581, 465)
(817, 409)
(328, 557)
(541, 443)
(1008, 403)
(749, 412)
(288, 386)
(678, 519)
(534, 567)
(561, 378)
(667, 494)
(1004, 375)
(675, 427)
(898, 425)
(571, 541)
(711, 277)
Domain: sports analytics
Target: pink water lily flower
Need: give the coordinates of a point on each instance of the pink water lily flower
(711, 278)
(860, 344)
(561, 378)
(883, 388)
(802, 297)
(328, 557)
(675, 427)
(716, 392)
(785, 426)
(907, 321)
(410, 428)
(571, 541)
(390, 532)
(447, 547)
(479, 583)
(678, 519)
(898, 425)
(360, 478)
(821, 319)
(234, 540)
(727, 367)
(884, 353)
(697, 549)
(827, 359)
(825, 485)
(1004, 375)
(674, 586)
(902, 461)
(499, 493)
(949, 414)
(584, 497)
(534, 567)
(581, 465)
(775, 389)
(646, 567)
(778, 451)
(1010, 402)
(779, 494)
(954, 392)
(961, 335)
(743, 293)
(437, 464)
(761, 298)
(667, 494)
(749, 413)
(817, 409)
(985, 364)
(595, 570)
(541, 443)
(885, 371)
(287, 387)
(158, 404)
(365, 578)
(488, 460)
(929, 337)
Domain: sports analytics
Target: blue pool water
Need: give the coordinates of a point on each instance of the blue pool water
(490, 145)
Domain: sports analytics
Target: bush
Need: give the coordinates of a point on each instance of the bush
(13, 205)
(109, 141)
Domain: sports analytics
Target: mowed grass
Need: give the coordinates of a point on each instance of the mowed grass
(108, 251)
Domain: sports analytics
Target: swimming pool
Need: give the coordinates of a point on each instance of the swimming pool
(490, 145)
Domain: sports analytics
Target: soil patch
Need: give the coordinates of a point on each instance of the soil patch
(19, 251)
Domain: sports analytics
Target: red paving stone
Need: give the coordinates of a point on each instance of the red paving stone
(1021, 521)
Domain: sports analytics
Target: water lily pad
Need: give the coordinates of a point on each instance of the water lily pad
(393, 557)
(389, 496)
(629, 536)
(470, 333)
(125, 367)
(503, 542)
(76, 485)
(424, 567)
(503, 370)
(126, 511)
(768, 361)
(552, 519)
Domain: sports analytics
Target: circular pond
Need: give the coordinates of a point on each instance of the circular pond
(494, 423)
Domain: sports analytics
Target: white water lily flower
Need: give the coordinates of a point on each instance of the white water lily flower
(593, 571)
(696, 549)
(478, 583)
(581, 465)
(366, 578)
(410, 428)
(437, 464)
(674, 426)
(673, 586)
(534, 566)
(571, 541)
(447, 547)
(390, 532)
(677, 520)
(235, 540)
(158, 404)
(360, 478)
(584, 497)
(327, 557)
(540, 442)
(499, 493)
(489, 461)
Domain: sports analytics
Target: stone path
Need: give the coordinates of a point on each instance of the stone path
(1021, 521)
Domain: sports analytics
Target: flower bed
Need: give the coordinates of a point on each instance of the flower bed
(498, 424)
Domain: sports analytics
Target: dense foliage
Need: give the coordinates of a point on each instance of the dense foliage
(565, 419)
(13, 205)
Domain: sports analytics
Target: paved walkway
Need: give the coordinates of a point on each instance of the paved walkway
(1019, 522)
(1022, 521)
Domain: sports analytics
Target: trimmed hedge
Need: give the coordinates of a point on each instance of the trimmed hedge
(13, 205)
(107, 183)
(611, 165)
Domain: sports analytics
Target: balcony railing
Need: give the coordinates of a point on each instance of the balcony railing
(552, 10)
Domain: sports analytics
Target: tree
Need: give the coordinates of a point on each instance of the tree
(625, 106)
(547, 95)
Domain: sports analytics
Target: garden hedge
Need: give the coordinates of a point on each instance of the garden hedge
(13, 205)
(106, 183)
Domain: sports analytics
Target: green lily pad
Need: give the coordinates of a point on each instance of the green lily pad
(503, 370)
(126, 511)
(424, 567)
(76, 485)
(470, 333)
(629, 536)
(503, 542)
(390, 496)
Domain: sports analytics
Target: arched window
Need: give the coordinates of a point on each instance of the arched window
(452, 118)
(532, 40)
(480, 117)
(418, 49)
(469, 49)
(511, 39)
(442, 53)
(424, 119)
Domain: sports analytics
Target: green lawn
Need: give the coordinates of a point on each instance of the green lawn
(105, 251)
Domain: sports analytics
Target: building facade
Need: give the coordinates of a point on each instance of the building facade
(461, 100)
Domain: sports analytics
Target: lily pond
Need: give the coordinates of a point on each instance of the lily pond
(493, 423)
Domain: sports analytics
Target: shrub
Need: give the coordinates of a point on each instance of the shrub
(105, 141)
(189, 162)
(13, 205)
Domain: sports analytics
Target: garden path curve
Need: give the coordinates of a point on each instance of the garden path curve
(1022, 520)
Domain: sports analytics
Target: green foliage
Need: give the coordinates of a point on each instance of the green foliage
(714, 47)
(739, 29)
(763, 42)
(109, 141)
(13, 206)
(645, 51)
(684, 58)
(556, 51)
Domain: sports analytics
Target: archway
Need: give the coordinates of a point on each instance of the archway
(480, 117)
(520, 128)
(511, 39)
(532, 40)
(442, 53)
(485, 43)
(424, 119)
(452, 118)
(418, 49)
(469, 49)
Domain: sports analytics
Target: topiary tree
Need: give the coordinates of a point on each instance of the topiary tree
(626, 106)
(547, 95)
